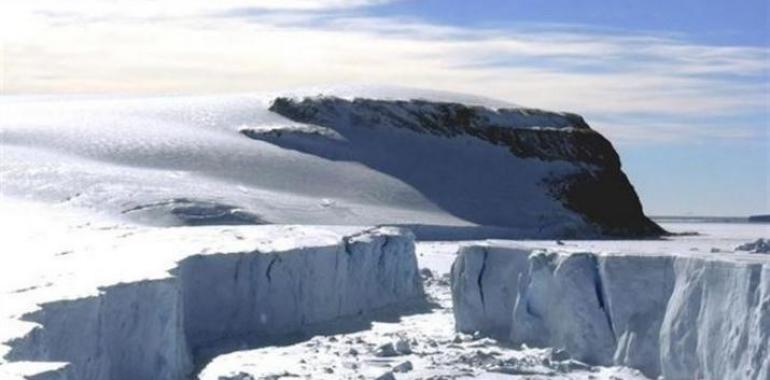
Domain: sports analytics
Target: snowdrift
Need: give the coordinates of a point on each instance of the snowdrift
(682, 316)
(267, 283)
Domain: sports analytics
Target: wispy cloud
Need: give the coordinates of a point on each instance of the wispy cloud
(238, 45)
(154, 8)
(633, 128)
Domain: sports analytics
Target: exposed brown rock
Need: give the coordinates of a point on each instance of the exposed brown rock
(600, 192)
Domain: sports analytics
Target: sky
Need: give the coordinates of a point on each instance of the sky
(682, 87)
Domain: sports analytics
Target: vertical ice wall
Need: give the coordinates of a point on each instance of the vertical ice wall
(149, 329)
(682, 317)
(230, 295)
(129, 331)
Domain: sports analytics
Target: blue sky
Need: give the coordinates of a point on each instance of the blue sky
(726, 22)
(681, 87)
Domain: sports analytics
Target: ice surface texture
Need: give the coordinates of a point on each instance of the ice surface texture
(680, 316)
(151, 329)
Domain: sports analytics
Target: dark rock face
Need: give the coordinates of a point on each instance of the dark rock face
(606, 198)
(600, 192)
(526, 132)
(759, 219)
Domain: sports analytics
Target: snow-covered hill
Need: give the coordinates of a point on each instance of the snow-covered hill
(452, 163)
(464, 181)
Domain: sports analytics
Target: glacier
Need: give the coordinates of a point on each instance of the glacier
(676, 314)
(202, 288)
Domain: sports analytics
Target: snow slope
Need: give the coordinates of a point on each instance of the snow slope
(656, 306)
(230, 160)
(114, 302)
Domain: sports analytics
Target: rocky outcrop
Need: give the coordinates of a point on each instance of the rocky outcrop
(759, 219)
(598, 191)
(526, 132)
(761, 246)
(605, 196)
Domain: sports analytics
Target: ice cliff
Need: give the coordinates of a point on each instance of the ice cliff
(682, 316)
(215, 294)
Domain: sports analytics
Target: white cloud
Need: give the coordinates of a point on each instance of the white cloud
(169, 7)
(628, 130)
(154, 50)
